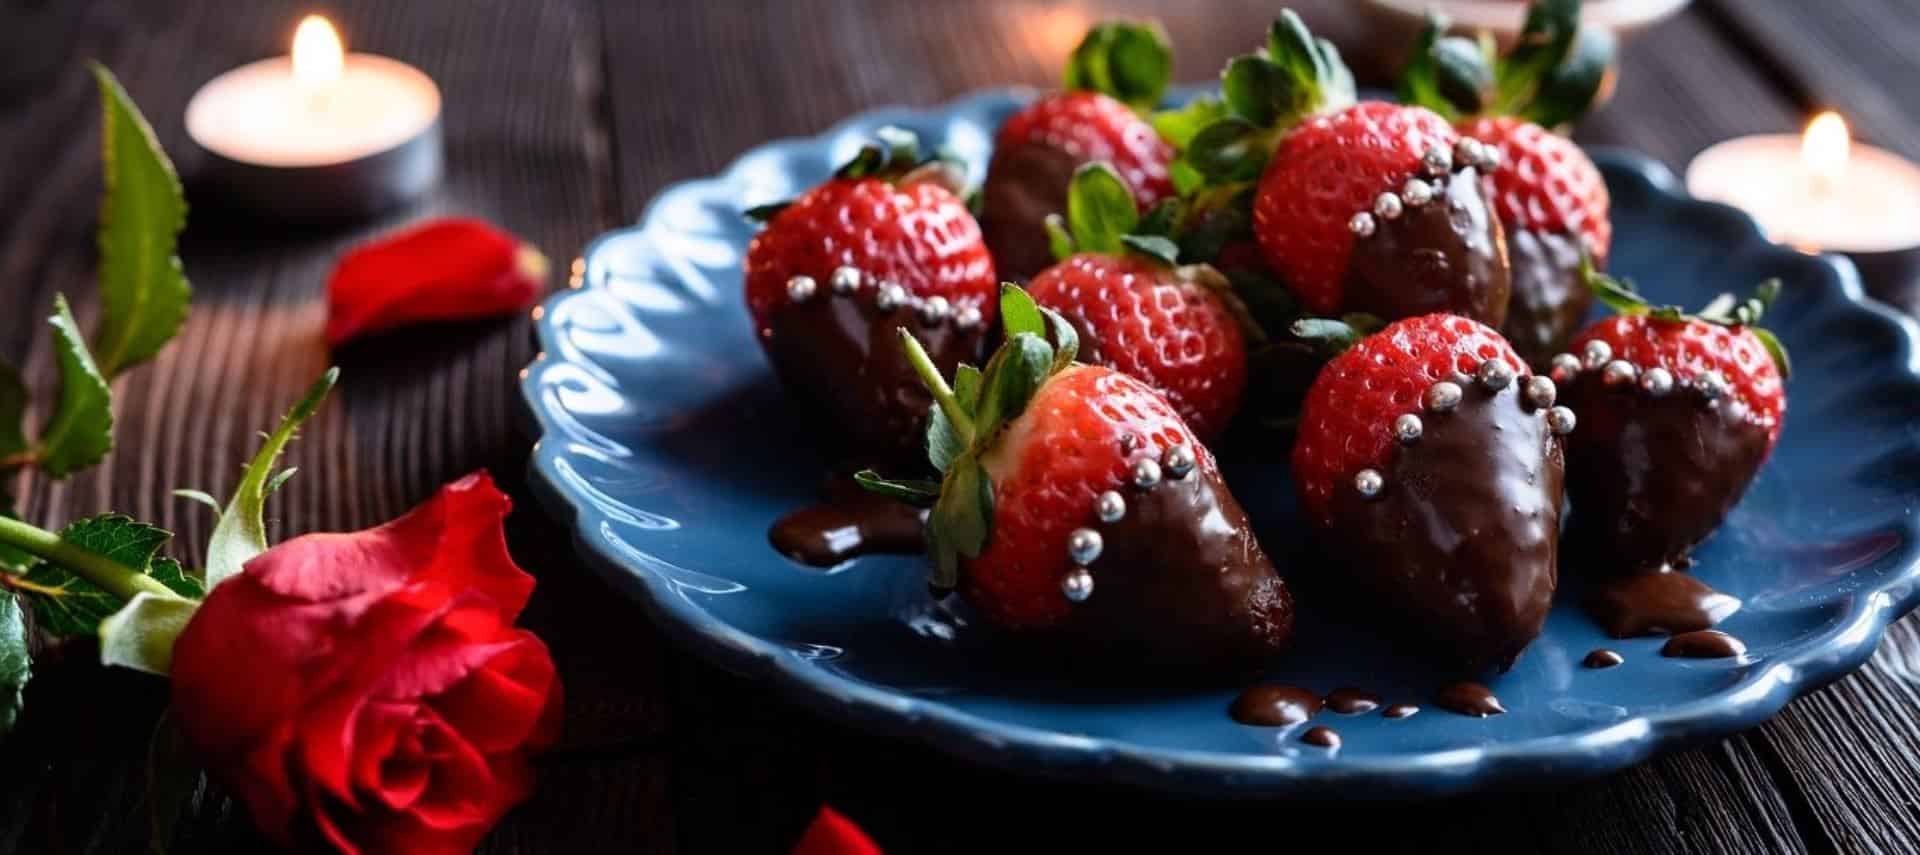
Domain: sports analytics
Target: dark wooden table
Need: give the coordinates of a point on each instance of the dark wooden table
(563, 118)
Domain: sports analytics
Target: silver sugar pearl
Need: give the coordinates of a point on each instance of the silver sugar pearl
(890, 297)
(1112, 507)
(1494, 374)
(1438, 161)
(845, 280)
(1443, 396)
(1077, 585)
(934, 310)
(1362, 225)
(801, 288)
(1407, 428)
(1566, 366)
(1369, 483)
(1656, 381)
(1560, 420)
(1711, 385)
(1146, 474)
(1490, 158)
(967, 317)
(1619, 373)
(1387, 206)
(1541, 392)
(1416, 193)
(1596, 354)
(1083, 545)
(1468, 151)
(1178, 461)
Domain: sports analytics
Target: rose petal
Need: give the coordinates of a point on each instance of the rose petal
(833, 834)
(501, 705)
(444, 270)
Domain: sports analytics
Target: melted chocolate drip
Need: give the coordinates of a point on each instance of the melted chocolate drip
(1274, 705)
(1401, 711)
(1602, 658)
(1352, 701)
(1461, 543)
(1025, 182)
(1325, 737)
(849, 525)
(1703, 644)
(1469, 698)
(1448, 255)
(1652, 477)
(1182, 582)
(1658, 604)
(839, 358)
(1549, 300)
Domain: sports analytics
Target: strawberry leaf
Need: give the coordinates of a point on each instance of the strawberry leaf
(1059, 238)
(1776, 350)
(966, 387)
(1258, 90)
(763, 213)
(1571, 87)
(1100, 209)
(16, 663)
(13, 414)
(1544, 42)
(241, 532)
(964, 512)
(1019, 313)
(913, 492)
(81, 431)
(1066, 340)
(1016, 371)
(1132, 62)
(1229, 150)
(1179, 125)
(143, 292)
(1153, 246)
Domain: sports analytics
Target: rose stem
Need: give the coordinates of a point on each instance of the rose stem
(116, 578)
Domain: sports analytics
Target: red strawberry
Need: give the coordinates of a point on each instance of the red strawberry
(1077, 506)
(1136, 312)
(881, 245)
(1677, 414)
(1360, 208)
(1118, 70)
(1430, 464)
(1550, 198)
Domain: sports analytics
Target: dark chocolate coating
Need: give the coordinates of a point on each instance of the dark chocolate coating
(1652, 477)
(1181, 582)
(1549, 299)
(1449, 255)
(840, 360)
(1460, 545)
(1660, 603)
(1025, 182)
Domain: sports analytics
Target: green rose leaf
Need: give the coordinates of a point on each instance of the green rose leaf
(16, 665)
(1100, 209)
(65, 604)
(241, 532)
(81, 431)
(143, 292)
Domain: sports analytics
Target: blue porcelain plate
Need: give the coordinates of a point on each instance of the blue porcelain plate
(666, 444)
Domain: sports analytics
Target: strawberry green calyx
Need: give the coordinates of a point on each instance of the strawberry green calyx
(1330, 337)
(895, 157)
(1263, 94)
(1102, 218)
(1725, 310)
(966, 421)
(1131, 62)
(1553, 74)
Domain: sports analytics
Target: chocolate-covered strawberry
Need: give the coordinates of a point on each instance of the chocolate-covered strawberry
(1430, 464)
(1363, 207)
(1548, 194)
(885, 243)
(1118, 70)
(1677, 414)
(1138, 312)
(1076, 507)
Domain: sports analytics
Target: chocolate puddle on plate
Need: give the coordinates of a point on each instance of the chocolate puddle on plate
(1602, 658)
(850, 523)
(1325, 737)
(1703, 644)
(1662, 603)
(1274, 705)
(1470, 698)
(1348, 701)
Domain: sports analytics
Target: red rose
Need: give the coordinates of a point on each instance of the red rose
(369, 690)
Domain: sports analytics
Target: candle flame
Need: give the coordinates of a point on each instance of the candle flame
(317, 55)
(1826, 147)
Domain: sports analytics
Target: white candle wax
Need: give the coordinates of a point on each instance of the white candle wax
(261, 114)
(1871, 202)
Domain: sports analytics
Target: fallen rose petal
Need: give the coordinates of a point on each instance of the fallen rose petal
(442, 270)
(833, 834)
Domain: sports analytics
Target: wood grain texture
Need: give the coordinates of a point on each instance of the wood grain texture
(564, 118)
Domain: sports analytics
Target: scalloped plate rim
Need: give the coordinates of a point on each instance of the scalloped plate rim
(1598, 750)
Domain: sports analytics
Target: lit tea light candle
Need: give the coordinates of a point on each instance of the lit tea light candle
(319, 134)
(1817, 192)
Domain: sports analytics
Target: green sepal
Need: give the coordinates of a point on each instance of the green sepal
(1725, 310)
(763, 213)
(1153, 246)
(140, 635)
(199, 496)
(1018, 313)
(1161, 220)
(1132, 62)
(1333, 336)
(14, 396)
(81, 430)
(866, 162)
(1775, 349)
(16, 661)
(241, 532)
(1100, 208)
(1229, 150)
(966, 386)
(962, 518)
(1543, 43)
(1179, 125)
(1570, 89)
(1014, 373)
(1258, 90)
(1059, 238)
(919, 493)
(1066, 340)
(1462, 76)
(143, 291)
